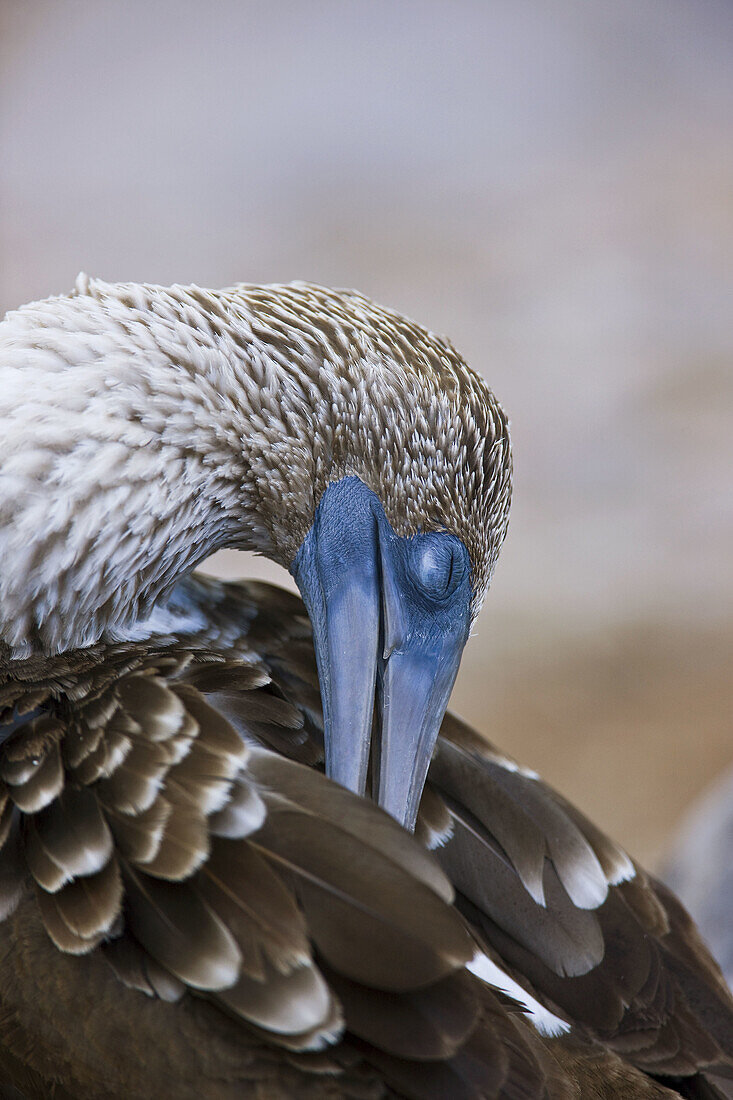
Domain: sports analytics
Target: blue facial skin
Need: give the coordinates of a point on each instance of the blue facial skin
(388, 612)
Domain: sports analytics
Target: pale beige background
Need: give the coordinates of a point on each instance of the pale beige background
(550, 183)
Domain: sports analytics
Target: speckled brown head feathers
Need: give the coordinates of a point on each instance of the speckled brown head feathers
(387, 401)
(148, 426)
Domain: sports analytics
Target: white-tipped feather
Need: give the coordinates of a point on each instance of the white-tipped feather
(545, 1021)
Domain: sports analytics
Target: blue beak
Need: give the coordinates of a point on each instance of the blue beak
(390, 616)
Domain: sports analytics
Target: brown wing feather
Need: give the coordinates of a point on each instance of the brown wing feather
(206, 863)
(560, 905)
(157, 842)
(669, 1017)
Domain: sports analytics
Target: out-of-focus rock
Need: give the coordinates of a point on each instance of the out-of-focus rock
(700, 869)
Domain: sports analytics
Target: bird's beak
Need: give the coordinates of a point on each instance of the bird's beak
(376, 625)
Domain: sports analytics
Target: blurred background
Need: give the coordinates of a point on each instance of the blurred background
(550, 184)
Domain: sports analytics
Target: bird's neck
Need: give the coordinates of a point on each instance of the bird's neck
(93, 544)
(109, 492)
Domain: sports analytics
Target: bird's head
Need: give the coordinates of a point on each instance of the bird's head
(397, 530)
(147, 426)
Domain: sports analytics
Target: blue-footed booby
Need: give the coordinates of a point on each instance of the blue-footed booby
(189, 907)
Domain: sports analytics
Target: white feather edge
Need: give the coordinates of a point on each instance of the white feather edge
(544, 1021)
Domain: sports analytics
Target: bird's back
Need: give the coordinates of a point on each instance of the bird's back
(190, 904)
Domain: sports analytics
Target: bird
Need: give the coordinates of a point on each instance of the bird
(245, 850)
